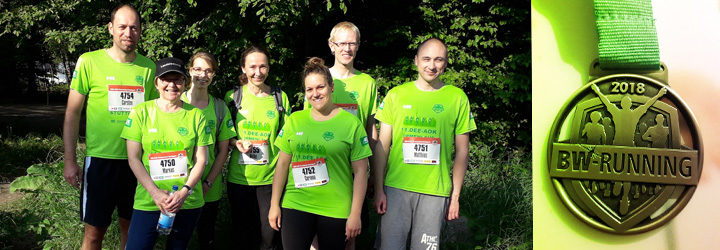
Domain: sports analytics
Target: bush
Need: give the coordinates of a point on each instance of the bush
(17, 153)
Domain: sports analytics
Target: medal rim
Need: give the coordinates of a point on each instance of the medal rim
(562, 194)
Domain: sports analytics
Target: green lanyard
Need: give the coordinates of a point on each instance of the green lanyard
(627, 37)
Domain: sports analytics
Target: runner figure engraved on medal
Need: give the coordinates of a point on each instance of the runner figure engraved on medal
(617, 156)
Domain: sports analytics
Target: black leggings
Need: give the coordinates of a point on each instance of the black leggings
(206, 225)
(298, 229)
(250, 206)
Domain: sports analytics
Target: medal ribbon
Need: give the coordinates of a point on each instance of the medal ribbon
(627, 37)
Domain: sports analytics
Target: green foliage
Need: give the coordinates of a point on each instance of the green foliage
(497, 198)
(16, 153)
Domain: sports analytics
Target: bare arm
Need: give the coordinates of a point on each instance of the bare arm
(135, 160)
(462, 147)
(217, 166)
(279, 181)
(382, 148)
(644, 107)
(603, 98)
(176, 201)
(71, 125)
(353, 226)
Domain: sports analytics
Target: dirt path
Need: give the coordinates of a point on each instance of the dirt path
(6, 197)
(21, 119)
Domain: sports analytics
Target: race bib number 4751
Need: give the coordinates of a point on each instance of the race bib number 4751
(168, 165)
(421, 150)
(124, 98)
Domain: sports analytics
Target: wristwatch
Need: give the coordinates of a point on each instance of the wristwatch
(190, 190)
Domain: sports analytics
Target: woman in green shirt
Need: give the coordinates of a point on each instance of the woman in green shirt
(203, 67)
(167, 143)
(252, 165)
(326, 146)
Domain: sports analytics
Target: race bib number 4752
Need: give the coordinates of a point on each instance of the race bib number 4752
(310, 173)
(124, 98)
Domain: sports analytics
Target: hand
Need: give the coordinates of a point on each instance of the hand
(380, 201)
(206, 187)
(72, 174)
(663, 91)
(243, 146)
(353, 227)
(595, 87)
(159, 197)
(275, 216)
(453, 210)
(174, 203)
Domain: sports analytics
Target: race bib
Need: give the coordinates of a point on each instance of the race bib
(421, 150)
(310, 173)
(258, 154)
(349, 107)
(124, 98)
(168, 165)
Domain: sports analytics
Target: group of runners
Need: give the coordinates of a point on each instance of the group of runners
(295, 180)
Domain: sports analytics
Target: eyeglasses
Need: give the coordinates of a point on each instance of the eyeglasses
(177, 81)
(198, 70)
(343, 44)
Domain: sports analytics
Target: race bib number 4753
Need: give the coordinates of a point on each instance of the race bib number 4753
(168, 165)
(124, 98)
(421, 150)
(310, 173)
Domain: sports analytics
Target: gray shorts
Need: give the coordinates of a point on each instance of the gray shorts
(417, 215)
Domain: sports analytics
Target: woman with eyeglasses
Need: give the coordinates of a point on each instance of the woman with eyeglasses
(203, 67)
(260, 110)
(167, 144)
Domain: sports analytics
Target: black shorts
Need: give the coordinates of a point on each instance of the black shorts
(107, 184)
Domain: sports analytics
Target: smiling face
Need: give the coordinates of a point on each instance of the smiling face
(125, 29)
(256, 68)
(202, 73)
(170, 86)
(317, 91)
(431, 60)
(344, 46)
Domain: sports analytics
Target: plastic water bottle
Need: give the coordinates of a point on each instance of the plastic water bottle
(165, 223)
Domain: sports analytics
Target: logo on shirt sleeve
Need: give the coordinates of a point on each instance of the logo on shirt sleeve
(128, 122)
(364, 141)
(229, 123)
(382, 104)
(208, 129)
(280, 134)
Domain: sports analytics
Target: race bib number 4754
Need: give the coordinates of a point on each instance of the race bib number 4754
(124, 98)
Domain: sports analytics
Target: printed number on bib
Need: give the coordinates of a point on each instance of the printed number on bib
(349, 107)
(124, 98)
(310, 173)
(258, 154)
(168, 165)
(421, 150)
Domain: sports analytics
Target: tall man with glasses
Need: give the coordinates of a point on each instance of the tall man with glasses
(114, 80)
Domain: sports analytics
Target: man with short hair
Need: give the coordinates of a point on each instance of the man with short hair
(114, 80)
(420, 122)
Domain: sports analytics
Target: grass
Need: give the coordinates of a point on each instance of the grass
(496, 200)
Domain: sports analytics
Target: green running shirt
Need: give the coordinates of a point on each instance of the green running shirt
(111, 90)
(339, 141)
(420, 121)
(227, 131)
(161, 132)
(356, 94)
(258, 120)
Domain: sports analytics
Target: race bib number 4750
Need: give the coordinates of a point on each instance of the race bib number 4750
(421, 150)
(124, 98)
(168, 165)
(310, 173)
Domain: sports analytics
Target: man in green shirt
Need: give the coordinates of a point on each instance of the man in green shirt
(420, 122)
(114, 80)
